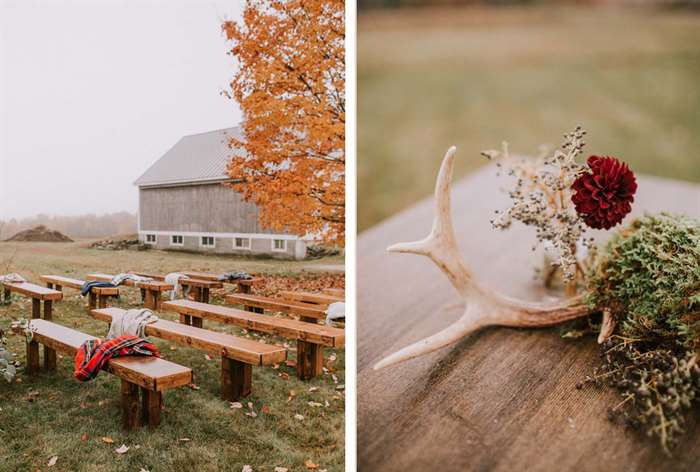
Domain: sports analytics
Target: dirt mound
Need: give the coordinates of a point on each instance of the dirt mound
(41, 234)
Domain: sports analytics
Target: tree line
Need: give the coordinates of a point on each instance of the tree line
(82, 226)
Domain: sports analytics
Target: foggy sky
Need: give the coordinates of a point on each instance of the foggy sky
(92, 93)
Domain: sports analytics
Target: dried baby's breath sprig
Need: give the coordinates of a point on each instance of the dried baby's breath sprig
(542, 198)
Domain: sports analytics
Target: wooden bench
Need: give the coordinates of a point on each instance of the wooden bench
(198, 287)
(97, 297)
(38, 294)
(310, 298)
(150, 291)
(238, 355)
(243, 285)
(149, 375)
(258, 304)
(336, 292)
(311, 338)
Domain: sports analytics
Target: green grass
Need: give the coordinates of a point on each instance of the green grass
(428, 79)
(220, 438)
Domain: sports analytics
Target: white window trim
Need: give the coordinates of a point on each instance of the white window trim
(284, 249)
(174, 243)
(155, 240)
(242, 248)
(202, 245)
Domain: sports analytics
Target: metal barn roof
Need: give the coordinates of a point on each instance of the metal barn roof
(194, 158)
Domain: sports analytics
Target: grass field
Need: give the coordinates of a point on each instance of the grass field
(431, 78)
(55, 415)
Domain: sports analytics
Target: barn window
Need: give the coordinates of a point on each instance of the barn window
(279, 245)
(177, 240)
(150, 239)
(241, 243)
(207, 241)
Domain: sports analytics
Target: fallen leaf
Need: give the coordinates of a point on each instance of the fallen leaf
(291, 363)
(84, 437)
(313, 389)
(266, 409)
(236, 405)
(310, 465)
(284, 375)
(107, 440)
(184, 439)
(52, 461)
(123, 449)
(281, 469)
(207, 357)
(250, 405)
(252, 414)
(247, 468)
(194, 387)
(314, 404)
(299, 417)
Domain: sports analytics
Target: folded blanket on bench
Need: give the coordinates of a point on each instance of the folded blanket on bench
(231, 276)
(120, 278)
(174, 280)
(87, 286)
(95, 353)
(12, 278)
(133, 323)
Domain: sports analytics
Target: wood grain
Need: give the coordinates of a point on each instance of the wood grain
(502, 399)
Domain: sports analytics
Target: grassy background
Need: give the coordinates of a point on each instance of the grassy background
(430, 78)
(221, 438)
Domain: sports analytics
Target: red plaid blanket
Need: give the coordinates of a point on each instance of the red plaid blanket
(94, 354)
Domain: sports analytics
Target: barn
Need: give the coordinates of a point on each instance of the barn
(183, 204)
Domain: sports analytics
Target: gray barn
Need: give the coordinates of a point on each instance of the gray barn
(184, 206)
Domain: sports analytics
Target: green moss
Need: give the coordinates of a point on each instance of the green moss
(648, 276)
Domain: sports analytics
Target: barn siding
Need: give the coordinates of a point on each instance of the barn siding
(197, 208)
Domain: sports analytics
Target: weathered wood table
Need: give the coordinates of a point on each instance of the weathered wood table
(502, 399)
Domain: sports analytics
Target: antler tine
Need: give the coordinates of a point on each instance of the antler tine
(440, 245)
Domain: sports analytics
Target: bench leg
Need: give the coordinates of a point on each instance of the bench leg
(244, 288)
(150, 301)
(6, 295)
(102, 301)
(32, 357)
(236, 379)
(92, 301)
(130, 405)
(309, 360)
(197, 322)
(59, 288)
(205, 295)
(49, 354)
(185, 319)
(143, 295)
(151, 403)
(36, 308)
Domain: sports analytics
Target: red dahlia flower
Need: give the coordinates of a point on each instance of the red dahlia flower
(603, 195)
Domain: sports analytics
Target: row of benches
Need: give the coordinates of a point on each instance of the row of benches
(151, 376)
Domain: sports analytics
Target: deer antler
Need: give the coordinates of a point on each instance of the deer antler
(483, 306)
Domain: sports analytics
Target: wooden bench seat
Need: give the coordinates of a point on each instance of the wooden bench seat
(198, 287)
(238, 355)
(311, 338)
(258, 304)
(336, 292)
(150, 291)
(310, 298)
(243, 285)
(150, 375)
(98, 296)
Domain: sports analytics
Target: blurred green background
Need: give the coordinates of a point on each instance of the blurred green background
(475, 76)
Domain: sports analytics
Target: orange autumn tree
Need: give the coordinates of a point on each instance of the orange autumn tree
(291, 88)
